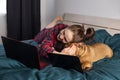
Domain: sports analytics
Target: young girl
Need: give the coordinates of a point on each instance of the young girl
(53, 38)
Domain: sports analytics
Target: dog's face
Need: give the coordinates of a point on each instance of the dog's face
(80, 48)
(74, 49)
(70, 49)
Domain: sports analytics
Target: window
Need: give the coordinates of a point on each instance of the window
(2, 6)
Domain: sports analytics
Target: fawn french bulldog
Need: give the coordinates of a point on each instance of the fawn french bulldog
(88, 54)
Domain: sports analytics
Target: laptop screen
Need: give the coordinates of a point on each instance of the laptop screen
(23, 52)
(65, 61)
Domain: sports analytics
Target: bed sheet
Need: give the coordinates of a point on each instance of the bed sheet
(105, 69)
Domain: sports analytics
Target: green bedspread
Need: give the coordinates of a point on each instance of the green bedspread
(105, 69)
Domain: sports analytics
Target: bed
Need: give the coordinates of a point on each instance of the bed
(107, 31)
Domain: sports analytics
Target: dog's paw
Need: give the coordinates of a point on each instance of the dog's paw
(86, 66)
(86, 69)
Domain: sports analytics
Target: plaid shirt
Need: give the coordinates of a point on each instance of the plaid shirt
(48, 40)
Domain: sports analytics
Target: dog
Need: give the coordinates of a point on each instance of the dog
(88, 54)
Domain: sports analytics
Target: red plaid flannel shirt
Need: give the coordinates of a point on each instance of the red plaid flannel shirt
(48, 39)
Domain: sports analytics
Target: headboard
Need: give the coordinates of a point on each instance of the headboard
(111, 25)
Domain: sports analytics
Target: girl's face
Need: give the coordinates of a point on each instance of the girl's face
(65, 35)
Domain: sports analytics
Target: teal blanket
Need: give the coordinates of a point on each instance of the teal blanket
(105, 69)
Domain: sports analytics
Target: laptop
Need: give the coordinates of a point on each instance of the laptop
(28, 55)
(20, 51)
(65, 61)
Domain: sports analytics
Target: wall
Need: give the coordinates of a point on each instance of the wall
(102, 8)
(2, 18)
(47, 12)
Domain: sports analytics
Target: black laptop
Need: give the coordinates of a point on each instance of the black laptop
(23, 52)
(65, 61)
(28, 55)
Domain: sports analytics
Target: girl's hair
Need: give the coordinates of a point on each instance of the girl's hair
(79, 33)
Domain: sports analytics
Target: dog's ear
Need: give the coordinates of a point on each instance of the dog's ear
(67, 45)
(80, 44)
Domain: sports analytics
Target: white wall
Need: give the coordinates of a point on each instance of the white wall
(47, 12)
(102, 8)
(2, 18)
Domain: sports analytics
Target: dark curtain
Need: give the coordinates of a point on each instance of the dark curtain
(23, 19)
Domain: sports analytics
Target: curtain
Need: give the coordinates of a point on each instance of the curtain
(23, 19)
